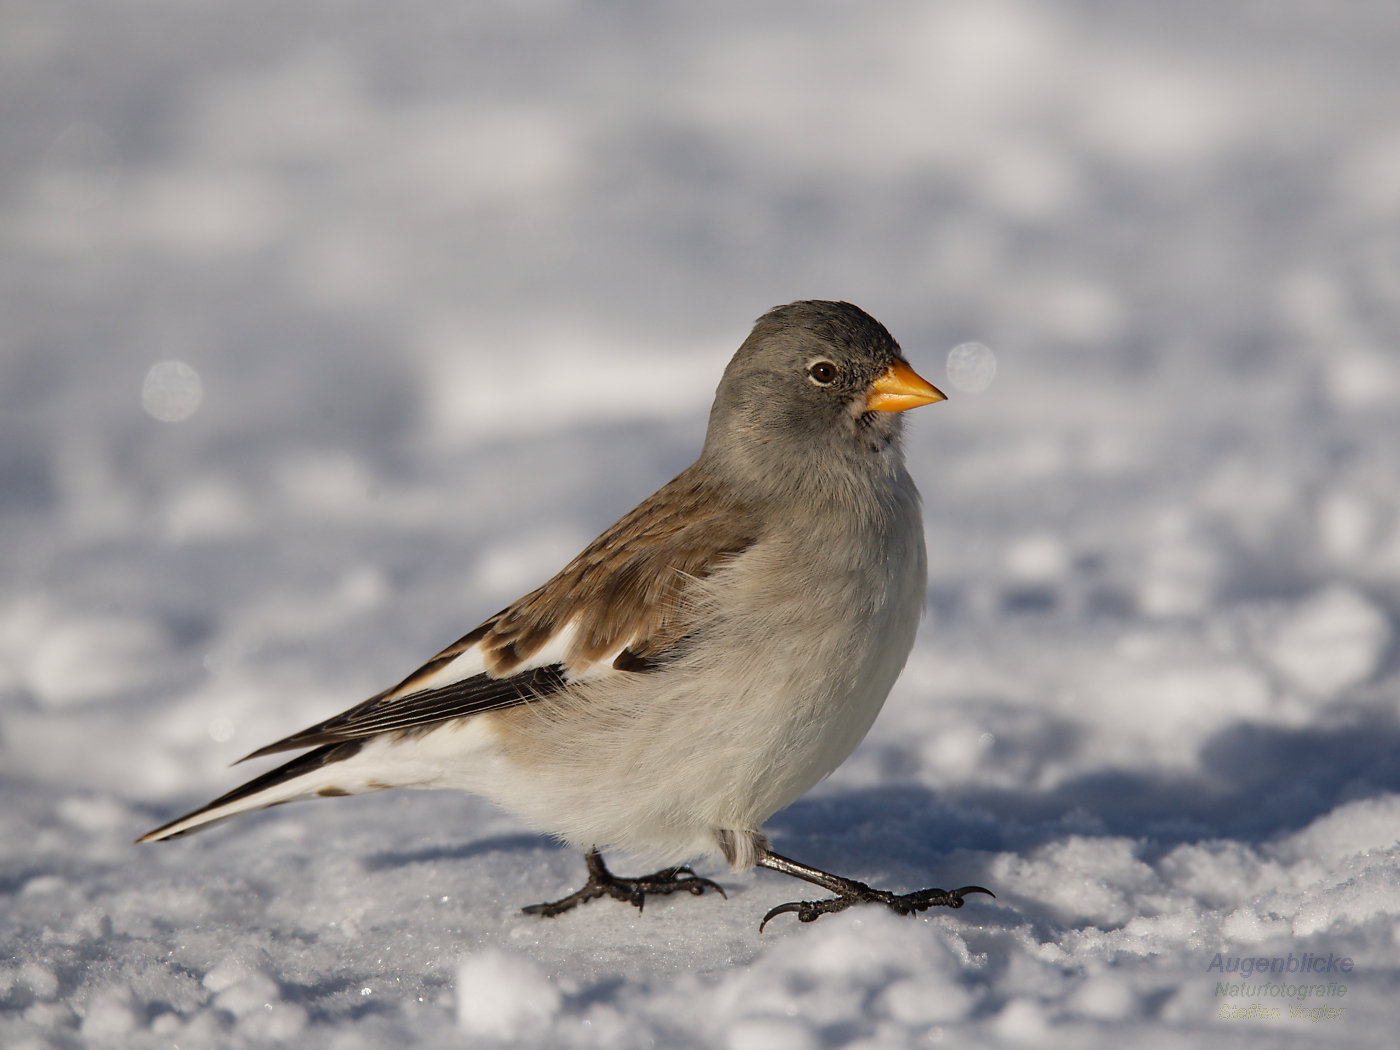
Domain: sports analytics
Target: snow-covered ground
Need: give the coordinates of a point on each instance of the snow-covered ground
(329, 328)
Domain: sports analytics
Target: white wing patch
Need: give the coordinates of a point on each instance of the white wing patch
(467, 665)
(558, 650)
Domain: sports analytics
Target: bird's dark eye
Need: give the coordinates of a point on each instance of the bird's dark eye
(823, 373)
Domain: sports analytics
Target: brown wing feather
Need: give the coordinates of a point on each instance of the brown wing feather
(628, 583)
(626, 587)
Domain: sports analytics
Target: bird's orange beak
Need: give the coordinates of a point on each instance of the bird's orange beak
(900, 387)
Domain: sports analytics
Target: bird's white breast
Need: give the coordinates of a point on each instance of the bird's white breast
(854, 616)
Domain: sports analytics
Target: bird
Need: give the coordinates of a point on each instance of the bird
(699, 666)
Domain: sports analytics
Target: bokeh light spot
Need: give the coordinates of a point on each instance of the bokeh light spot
(971, 367)
(172, 391)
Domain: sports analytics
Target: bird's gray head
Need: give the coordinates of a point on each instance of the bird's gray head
(816, 387)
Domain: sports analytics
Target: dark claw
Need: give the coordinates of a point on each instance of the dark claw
(809, 911)
(692, 882)
(963, 891)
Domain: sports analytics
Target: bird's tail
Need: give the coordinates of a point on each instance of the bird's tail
(317, 774)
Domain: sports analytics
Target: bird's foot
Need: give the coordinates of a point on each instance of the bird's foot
(603, 883)
(849, 891)
(899, 903)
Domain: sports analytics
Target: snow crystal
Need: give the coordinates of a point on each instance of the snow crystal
(1022, 1021)
(772, 1033)
(504, 995)
(911, 1001)
(87, 658)
(1348, 524)
(1104, 997)
(1037, 559)
(111, 1015)
(41, 981)
(1352, 828)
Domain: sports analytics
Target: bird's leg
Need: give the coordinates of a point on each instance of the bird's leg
(603, 883)
(849, 891)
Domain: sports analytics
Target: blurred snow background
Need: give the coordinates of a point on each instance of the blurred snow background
(329, 328)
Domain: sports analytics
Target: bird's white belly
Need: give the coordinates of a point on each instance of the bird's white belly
(731, 733)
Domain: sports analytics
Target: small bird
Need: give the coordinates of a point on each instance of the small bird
(702, 663)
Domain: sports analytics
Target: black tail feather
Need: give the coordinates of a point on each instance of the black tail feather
(298, 766)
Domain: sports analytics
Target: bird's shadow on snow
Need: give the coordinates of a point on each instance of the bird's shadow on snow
(520, 843)
(1253, 783)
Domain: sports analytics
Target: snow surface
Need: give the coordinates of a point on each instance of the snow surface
(329, 328)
